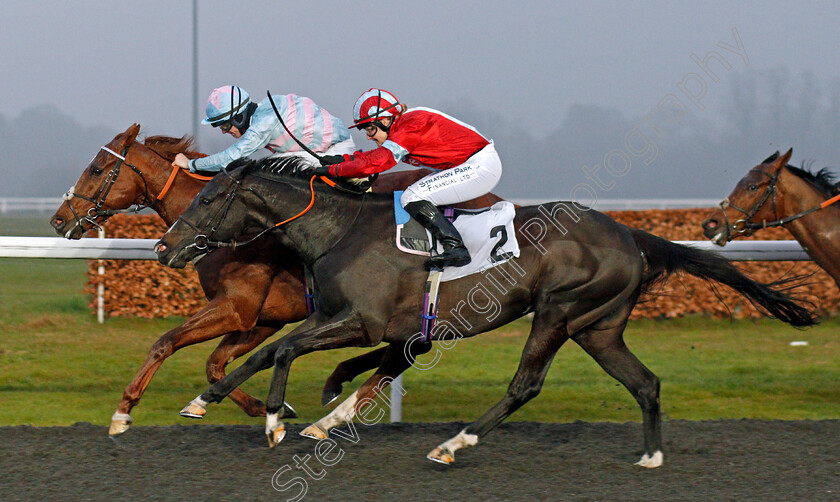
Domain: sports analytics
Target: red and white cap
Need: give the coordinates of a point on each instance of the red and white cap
(374, 104)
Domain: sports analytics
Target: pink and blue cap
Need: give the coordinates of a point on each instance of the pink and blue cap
(224, 103)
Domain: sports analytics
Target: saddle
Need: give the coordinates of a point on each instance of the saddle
(488, 234)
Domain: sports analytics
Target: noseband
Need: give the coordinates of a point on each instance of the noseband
(98, 211)
(203, 238)
(745, 224)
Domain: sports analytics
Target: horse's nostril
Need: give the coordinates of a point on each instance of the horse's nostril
(160, 248)
(57, 223)
(711, 224)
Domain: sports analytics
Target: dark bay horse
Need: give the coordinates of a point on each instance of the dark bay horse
(252, 292)
(579, 272)
(775, 193)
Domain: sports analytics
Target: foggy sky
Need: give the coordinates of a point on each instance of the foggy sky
(524, 65)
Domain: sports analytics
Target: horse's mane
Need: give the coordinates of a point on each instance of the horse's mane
(167, 147)
(275, 168)
(280, 168)
(823, 179)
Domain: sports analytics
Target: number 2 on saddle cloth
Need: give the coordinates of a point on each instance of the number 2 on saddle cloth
(488, 234)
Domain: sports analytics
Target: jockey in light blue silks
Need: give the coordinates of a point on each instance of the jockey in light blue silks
(256, 126)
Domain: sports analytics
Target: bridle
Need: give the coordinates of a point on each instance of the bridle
(744, 225)
(98, 211)
(203, 241)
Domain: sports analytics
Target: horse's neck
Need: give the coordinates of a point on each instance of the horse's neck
(179, 195)
(795, 195)
(334, 220)
(177, 199)
(819, 232)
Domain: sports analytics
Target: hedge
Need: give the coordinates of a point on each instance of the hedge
(148, 289)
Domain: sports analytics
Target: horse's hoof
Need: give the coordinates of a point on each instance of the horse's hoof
(651, 461)
(330, 395)
(275, 436)
(193, 410)
(288, 411)
(314, 432)
(441, 455)
(120, 423)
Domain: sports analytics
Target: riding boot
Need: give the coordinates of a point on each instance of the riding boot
(454, 253)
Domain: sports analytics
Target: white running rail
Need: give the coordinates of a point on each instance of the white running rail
(141, 249)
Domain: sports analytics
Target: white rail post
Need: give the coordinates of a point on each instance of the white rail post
(396, 399)
(100, 288)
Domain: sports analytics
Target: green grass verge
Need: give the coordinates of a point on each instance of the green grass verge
(58, 366)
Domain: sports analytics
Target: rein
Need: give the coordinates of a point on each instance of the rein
(747, 225)
(98, 200)
(202, 240)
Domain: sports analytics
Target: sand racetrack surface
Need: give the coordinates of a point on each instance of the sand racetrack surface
(713, 460)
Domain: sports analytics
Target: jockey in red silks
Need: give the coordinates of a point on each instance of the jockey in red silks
(466, 162)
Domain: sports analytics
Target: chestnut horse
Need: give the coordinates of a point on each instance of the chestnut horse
(252, 292)
(580, 278)
(775, 193)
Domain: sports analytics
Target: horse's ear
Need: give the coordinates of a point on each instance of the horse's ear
(132, 132)
(128, 137)
(771, 158)
(239, 168)
(784, 160)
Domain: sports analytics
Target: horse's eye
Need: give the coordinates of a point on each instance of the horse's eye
(204, 201)
(95, 171)
(752, 188)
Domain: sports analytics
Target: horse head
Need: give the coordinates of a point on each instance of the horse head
(98, 189)
(753, 200)
(226, 210)
(255, 197)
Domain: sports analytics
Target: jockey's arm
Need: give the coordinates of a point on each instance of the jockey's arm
(364, 164)
(254, 138)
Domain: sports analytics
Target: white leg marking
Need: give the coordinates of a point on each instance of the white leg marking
(271, 422)
(338, 416)
(195, 409)
(651, 461)
(122, 416)
(461, 440)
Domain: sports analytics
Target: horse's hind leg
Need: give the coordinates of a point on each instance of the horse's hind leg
(393, 363)
(604, 342)
(548, 333)
(347, 370)
(233, 346)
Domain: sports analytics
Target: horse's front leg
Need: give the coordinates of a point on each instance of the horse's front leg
(213, 320)
(346, 329)
(394, 362)
(233, 346)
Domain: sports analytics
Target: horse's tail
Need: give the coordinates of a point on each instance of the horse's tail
(665, 258)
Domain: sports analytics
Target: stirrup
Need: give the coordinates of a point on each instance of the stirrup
(455, 257)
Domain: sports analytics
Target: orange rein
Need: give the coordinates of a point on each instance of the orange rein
(830, 201)
(172, 176)
(176, 170)
(311, 200)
